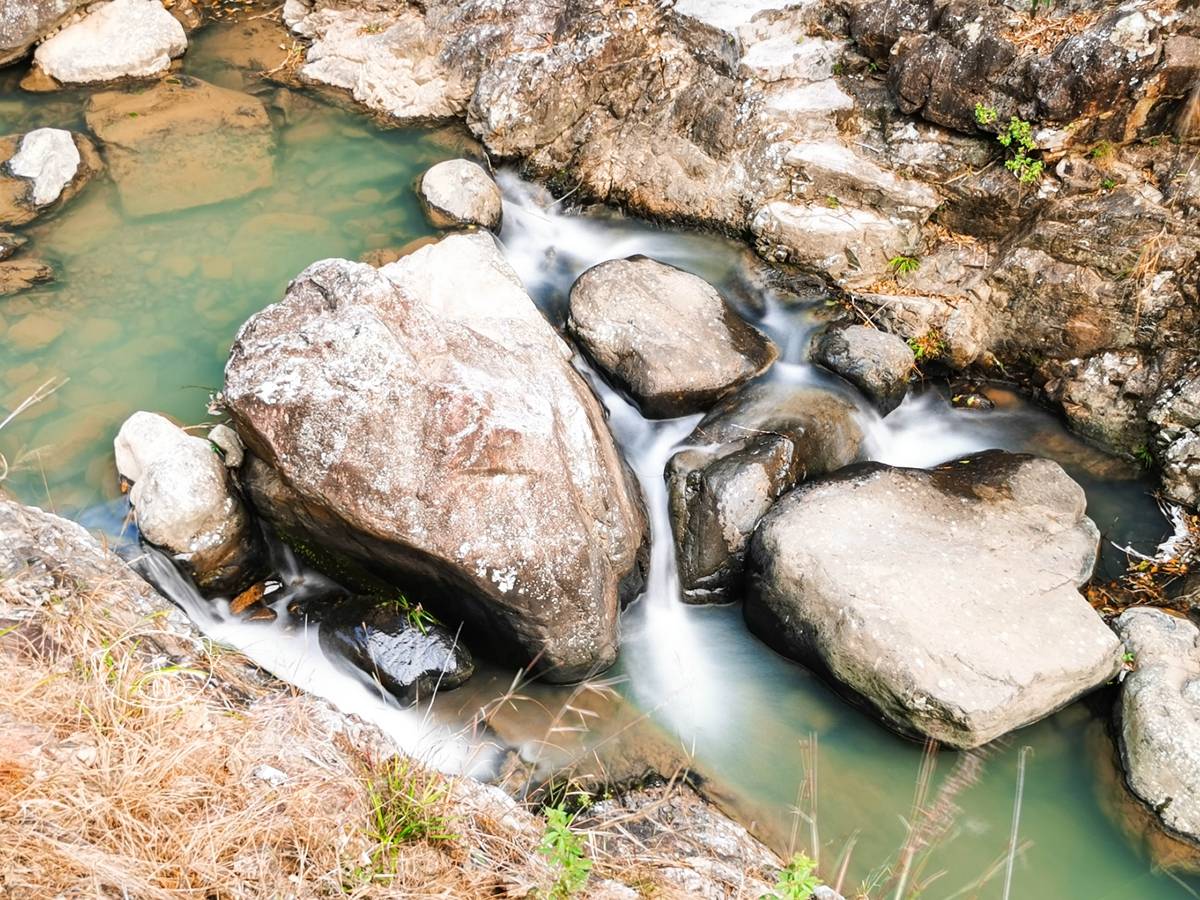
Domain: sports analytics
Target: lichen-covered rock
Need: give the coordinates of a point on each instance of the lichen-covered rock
(459, 192)
(664, 336)
(184, 501)
(1176, 414)
(1159, 717)
(748, 451)
(947, 599)
(425, 419)
(161, 144)
(118, 39)
(877, 363)
(411, 661)
(43, 169)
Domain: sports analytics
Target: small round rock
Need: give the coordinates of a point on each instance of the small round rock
(458, 192)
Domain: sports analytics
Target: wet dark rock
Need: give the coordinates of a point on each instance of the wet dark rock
(749, 450)
(664, 336)
(185, 502)
(459, 192)
(1159, 717)
(948, 599)
(425, 420)
(161, 142)
(380, 638)
(877, 363)
(41, 170)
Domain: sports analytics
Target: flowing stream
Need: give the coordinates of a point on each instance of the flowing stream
(142, 316)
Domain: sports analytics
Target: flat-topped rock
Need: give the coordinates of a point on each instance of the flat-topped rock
(664, 336)
(947, 599)
(459, 192)
(119, 39)
(425, 419)
(1159, 717)
(183, 143)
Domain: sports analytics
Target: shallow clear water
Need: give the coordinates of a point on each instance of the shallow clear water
(143, 313)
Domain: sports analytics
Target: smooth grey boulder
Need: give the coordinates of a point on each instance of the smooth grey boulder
(119, 39)
(411, 662)
(1159, 717)
(459, 192)
(877, 363)
(425, 419)
(748, 451)
(948, 599)
(185, 502)
(664, 336)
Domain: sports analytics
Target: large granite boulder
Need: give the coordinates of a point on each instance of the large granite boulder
(425, 419)
(23, 24)
(185, 502)
(947, 599)
(119, 39)
(748, 451)
(1159, 717)
(877, 363)
(41, 170)
(411, 658)
(162, 142)
(459, 192)
(664, 336)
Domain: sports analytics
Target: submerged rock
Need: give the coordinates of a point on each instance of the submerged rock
(162, 144)
(185, 502)
(42, 170)
(118, 39)
(459, 192)
(947, 598)
(752, 448)
(21, 274)
(664, 336)
(877, 363)
(425, 419)
(411, 661)
(1159, 717)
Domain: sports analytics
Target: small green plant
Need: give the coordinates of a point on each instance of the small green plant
(904, 264)
(1034, 5)
(1143, 456)
(796, 880)
(564, 850)
(1102, 150)
(927, 346)
(406, 805)
(1017, 139)
(1108, 184)
(1129, 658)
(832, 202)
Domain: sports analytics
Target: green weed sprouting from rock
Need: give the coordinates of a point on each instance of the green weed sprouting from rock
(1017, 139)
(564, 850)
(928, 346)
(904, 264)
(796, 880)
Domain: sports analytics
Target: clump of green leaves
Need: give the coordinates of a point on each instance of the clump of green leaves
(407, 804)
(928, 346)
(1143, 456)
(904, 264)
(1017, 139)
(796, 880)
(1102, 150)
(564, 850)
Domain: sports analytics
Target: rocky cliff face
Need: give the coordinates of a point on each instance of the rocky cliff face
(842, 136)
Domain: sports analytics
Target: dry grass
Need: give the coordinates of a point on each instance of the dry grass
(124, 773)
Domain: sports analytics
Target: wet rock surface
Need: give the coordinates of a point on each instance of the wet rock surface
(748, 451)
(664, 336)
(947, 599)
(42, 170)
(411, 661)
(1159, 717)
(425, 419)
(151, 140)
(185, 502)
(21, 274)
(459, 192)
(877, 363)
(118, 39)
